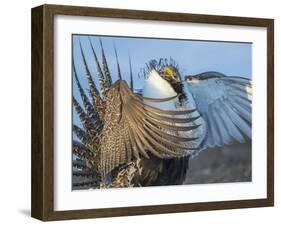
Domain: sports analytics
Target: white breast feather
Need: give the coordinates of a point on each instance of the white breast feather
(156, 87)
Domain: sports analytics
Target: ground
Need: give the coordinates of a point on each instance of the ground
(217, 165)
(220, 165)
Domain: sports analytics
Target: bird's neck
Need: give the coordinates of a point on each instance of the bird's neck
(157, 87)
(179, 89)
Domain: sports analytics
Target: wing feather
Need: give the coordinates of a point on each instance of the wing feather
(226, 138)
(238, 121)
(246, 104)
(225, 103)
(231, 127)
(210, 136)
(140, 141)
(216, 128)
(132, 130)
(167, 135)
(241, 110)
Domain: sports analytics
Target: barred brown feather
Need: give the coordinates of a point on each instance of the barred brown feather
(127, 132)
(96, 97)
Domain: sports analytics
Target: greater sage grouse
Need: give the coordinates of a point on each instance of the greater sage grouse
(129, 139)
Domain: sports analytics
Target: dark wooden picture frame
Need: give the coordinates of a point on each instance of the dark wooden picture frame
(42, 203)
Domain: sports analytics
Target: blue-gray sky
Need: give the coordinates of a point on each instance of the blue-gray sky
(193, 57)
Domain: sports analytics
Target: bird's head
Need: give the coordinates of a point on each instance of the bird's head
(192, 79)
(172, 76)
(168, 70)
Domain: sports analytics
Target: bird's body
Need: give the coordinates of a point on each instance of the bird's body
(129, 139)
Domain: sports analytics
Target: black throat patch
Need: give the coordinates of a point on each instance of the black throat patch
(178, 87)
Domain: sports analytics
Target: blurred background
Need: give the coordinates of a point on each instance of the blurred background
(220, 165)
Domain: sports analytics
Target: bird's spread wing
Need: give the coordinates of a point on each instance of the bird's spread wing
(225, 103)
(134, 129)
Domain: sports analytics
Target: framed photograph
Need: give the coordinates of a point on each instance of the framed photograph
(141, 112)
